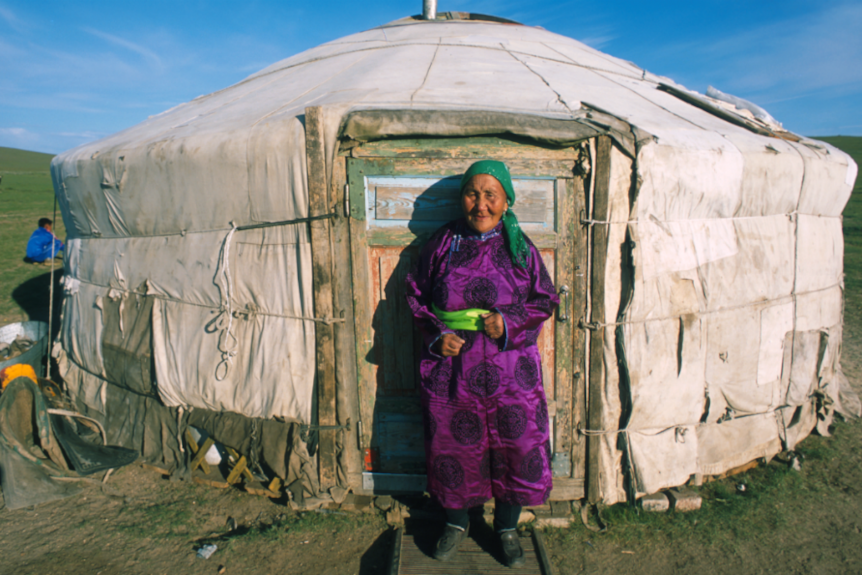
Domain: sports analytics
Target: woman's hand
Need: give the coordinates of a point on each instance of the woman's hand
(494, 326)
(450, 345)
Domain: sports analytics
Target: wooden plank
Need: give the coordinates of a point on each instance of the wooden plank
(564, 277)
(473, 555)
(263, 492)
(345, 338)
(321, 270)
(237, 471)
(567, 489)
(395, 557)
(541, 553)
(197, 461)
(546, 342)
(211, 481)
(471, 148)
(579, 305)
(518, 167)
(412, 199)
(200, 454)
(275, 484)
(156, 468)
(240, 467)
(600, 211)
(363, 306)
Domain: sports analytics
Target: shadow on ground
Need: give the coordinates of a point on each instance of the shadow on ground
(376, 559)
(34, 298)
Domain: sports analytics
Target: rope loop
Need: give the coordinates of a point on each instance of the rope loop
(227, 342)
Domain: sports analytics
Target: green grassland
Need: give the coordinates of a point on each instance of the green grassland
(26, 194)
(852, 237)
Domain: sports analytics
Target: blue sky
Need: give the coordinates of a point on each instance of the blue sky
(72, 72)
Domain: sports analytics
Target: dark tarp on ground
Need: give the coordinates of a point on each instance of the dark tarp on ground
(29, 452)
(143, 424)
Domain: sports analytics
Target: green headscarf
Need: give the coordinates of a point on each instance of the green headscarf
(515, 242)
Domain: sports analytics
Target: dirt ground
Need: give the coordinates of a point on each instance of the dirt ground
(145, 523)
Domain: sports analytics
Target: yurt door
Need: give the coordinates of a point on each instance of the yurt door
(401, 192)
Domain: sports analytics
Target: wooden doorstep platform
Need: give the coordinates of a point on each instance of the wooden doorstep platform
(479, 554)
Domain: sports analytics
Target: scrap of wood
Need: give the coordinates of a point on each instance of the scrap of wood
(211, 482)
(161, 470)
(263, 492)
(193, 445)
(198, 460)
(237, 470)
(240, 468)
(275, 484)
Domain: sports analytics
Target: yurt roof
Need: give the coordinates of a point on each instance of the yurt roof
(448, 65)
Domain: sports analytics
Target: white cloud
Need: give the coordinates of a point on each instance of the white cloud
(7, 15)
(87, 135)
(17, 137)
(598, 40)
(147, 54)
(11, 20)
(17, 132)
(45, 141)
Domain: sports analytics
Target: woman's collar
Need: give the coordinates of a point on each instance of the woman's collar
(468, 232)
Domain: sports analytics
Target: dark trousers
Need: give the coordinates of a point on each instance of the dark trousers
(505, 516)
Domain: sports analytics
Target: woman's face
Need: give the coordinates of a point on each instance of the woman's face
(484, 202)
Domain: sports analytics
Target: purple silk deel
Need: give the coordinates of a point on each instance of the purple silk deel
(486, 418)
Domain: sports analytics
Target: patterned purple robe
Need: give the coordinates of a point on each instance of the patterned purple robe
(486, 418)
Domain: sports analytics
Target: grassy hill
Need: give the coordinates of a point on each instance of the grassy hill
(15, 160)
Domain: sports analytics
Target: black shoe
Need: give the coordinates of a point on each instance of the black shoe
(449, 542)
(512, 551)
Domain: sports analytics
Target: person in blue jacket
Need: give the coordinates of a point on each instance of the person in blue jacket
(41, 241)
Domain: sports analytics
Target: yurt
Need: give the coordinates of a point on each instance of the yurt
(236, 263)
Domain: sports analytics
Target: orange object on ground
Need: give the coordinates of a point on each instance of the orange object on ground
(15, 371)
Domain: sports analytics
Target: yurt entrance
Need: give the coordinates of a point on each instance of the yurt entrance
(400, 191)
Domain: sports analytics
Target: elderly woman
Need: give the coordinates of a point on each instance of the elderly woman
(480, 294)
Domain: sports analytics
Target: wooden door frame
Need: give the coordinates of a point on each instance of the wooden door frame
(570, 398)
(596, 361)
(332, 292)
